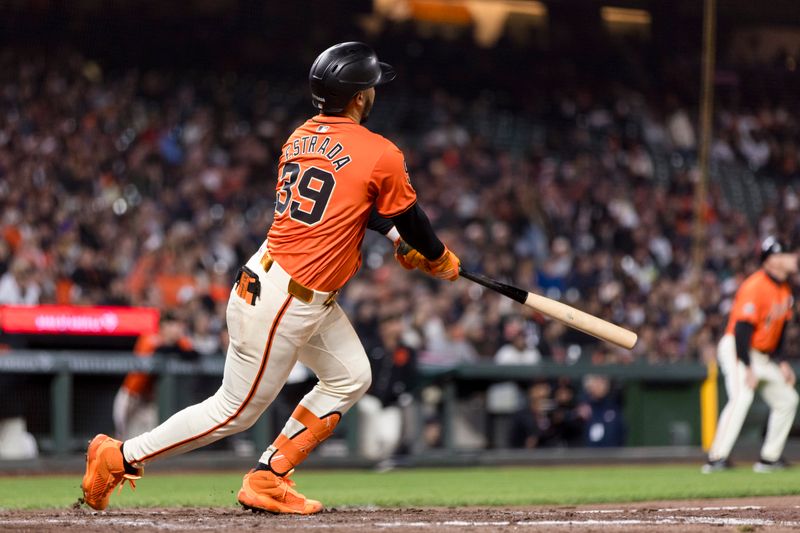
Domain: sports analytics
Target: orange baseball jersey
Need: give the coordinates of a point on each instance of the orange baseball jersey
(140, 383)
(765, 304)
(330, 173)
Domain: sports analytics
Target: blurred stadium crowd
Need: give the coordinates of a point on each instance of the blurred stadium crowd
(151, 188)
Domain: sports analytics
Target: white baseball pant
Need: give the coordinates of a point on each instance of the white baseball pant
(266, 339)
(780, 397)
(381, 428)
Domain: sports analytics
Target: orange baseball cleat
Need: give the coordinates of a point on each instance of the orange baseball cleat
(105, 469)
(263, 490)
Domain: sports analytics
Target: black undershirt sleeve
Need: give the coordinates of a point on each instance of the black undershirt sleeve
(378, 223)
(415, 228)
(743, 331)
(778, 355)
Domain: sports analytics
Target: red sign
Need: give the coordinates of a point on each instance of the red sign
(75, 320)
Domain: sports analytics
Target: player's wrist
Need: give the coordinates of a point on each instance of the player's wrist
(394, 236)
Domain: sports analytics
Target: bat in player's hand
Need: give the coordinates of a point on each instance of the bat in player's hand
(574, 318)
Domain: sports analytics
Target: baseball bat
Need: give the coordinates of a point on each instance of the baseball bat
(568, 315)
(574, 318)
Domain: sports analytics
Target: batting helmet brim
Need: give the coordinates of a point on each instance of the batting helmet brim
(387, 73)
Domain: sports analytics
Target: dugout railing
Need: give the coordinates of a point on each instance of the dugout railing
(661, 407)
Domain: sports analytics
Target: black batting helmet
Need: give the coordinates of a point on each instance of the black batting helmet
(771, 245)
(341, 71)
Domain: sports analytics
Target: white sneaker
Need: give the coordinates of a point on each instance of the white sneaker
(768, 467)
(716, 466)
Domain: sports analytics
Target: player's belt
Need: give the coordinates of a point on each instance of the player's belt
(282, 278)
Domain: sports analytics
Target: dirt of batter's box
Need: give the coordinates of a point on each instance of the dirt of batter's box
(774, 514)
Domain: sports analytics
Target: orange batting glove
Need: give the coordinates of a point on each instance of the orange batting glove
(407, 256)
(446, 267)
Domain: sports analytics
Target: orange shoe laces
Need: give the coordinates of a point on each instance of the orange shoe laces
(130, 478)
(287, 484)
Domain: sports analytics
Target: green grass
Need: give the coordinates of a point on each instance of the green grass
(426, 487)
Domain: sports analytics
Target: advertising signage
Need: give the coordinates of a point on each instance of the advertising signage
(76, 320)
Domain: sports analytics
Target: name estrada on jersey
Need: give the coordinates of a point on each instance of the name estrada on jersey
(308, 144)
(332, 171)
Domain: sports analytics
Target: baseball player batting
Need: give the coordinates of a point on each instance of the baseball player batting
(335, 180)
(750, 353)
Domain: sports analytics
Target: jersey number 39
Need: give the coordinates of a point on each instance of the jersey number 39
(307, 200)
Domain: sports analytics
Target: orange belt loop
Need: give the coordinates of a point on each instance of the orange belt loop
(266, 261)
(298, 290)
(302, 293)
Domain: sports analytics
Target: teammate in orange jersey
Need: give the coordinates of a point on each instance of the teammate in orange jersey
(135, 410)
(750, 353)
(335, 180)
